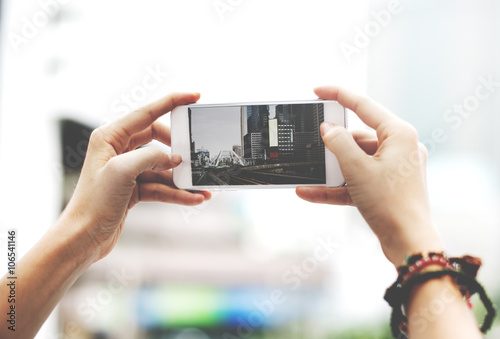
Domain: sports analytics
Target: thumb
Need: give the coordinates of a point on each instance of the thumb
(341, 143)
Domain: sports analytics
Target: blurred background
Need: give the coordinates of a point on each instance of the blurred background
(246, 264)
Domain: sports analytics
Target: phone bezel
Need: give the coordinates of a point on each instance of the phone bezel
(180, 144)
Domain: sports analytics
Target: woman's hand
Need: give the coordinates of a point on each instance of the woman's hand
(385, 175)
(117, 174)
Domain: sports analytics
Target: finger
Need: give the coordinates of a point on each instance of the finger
(366, 140)
(325, 195)
(341, 143)
(165, 177)
(162, 177)
(163, 193)
(138, 120)
(130, 165)
(123, 128)
(369, 111)
(157, 131)
(373, 114)
(207, 195)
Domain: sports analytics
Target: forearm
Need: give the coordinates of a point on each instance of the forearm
(438, 310)
(44, 275)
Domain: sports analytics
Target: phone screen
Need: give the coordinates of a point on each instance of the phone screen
(274, 144)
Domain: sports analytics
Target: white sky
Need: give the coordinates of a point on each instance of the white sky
(216, 129)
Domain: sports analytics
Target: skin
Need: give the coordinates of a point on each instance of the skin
(116, 176)
(386, 180)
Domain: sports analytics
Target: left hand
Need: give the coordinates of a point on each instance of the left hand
(116, 175)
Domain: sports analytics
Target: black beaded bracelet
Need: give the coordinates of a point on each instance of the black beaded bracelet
(397, 295)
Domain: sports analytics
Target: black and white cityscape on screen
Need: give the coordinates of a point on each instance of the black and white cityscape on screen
(257, 145)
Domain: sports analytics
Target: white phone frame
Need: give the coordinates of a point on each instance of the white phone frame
(180, 139)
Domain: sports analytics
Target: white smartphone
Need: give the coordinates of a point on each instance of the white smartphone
(255, 145)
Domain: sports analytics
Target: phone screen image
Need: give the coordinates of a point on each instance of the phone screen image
(278, 144)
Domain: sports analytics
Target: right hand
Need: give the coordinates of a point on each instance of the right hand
(385, 176)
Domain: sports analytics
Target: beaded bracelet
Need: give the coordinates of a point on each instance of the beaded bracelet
(462, 270)
(418, 263)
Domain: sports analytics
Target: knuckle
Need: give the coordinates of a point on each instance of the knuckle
(154, 131)
(157, 194)
(423, 150)
(155, 153)
(410, 132)
(151, 151)
(174, 97)
(406, 132)
(176, 196)
(364, 101)
(97, 135)
(150, 113)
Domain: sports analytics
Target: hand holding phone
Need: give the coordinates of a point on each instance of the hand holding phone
(249, 145)
(394, 202)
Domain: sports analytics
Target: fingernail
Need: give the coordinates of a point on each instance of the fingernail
(175, 158)
(325, 127)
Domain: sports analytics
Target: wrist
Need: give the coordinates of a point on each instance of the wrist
(72, 228)
(413, 237)
(425, 246)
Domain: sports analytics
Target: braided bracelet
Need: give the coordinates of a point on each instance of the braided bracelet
(462, 270)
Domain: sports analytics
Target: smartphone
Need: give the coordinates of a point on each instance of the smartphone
(255, 145)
